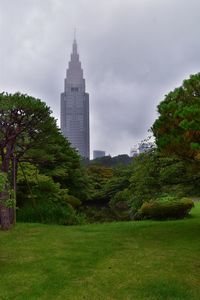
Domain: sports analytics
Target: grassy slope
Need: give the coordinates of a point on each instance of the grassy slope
(130, 260)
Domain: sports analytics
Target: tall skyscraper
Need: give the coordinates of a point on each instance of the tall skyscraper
(75, 106)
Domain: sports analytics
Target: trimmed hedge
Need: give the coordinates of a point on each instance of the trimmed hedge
(165, 208)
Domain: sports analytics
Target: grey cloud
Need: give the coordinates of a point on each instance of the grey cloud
(133, 52)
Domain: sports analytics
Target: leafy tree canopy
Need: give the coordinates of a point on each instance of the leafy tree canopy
(177, 129)
(24, 121)
(28, 132)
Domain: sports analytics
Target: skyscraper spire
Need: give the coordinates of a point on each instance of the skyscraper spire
(75, 47)
(74, 71)
(75, 106)
(74, 42)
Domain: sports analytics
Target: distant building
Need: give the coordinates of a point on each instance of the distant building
(75, 107)
(98, 153)
(141, 148)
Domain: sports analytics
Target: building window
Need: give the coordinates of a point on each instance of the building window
(74, 89)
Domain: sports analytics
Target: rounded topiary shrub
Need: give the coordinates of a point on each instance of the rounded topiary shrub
(166, 208)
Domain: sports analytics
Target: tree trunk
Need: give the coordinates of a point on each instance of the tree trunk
(4, 195)
(4, 212)
(12, 210)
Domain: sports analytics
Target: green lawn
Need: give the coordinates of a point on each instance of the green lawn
(125, 260)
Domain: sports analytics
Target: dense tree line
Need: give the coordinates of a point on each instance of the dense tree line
(169, 171)
(54, 186)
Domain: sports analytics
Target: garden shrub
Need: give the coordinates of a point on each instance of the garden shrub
(73, 201)
(48, 212)
(120, 205)
(48, 203)
(165, 208)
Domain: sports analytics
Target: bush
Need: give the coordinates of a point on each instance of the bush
(120, 205)
(48, 212)
(73, 201)
(47, 203)
(165, 208)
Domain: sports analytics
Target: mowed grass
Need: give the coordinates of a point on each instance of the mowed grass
(125, 260)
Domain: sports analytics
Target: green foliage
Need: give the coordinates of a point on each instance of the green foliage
(48, 203)
(8, 200)
(73, 201)
(166, 208)
(177, 130)
(23, 119)
(3, 181)
(120, 205)
(172, 169)
(145, 180)
(99, 176)
(115, 161)
(29, 133)
(47, 211)
(150, 176)
(105, 183)
(43, 200)
(155, 175)
(118, 182)
(62, 163)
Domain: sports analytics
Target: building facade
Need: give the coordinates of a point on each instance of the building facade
(75, 107)
(98, 153)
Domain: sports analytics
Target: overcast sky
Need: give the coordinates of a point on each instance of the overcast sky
(133, 52)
